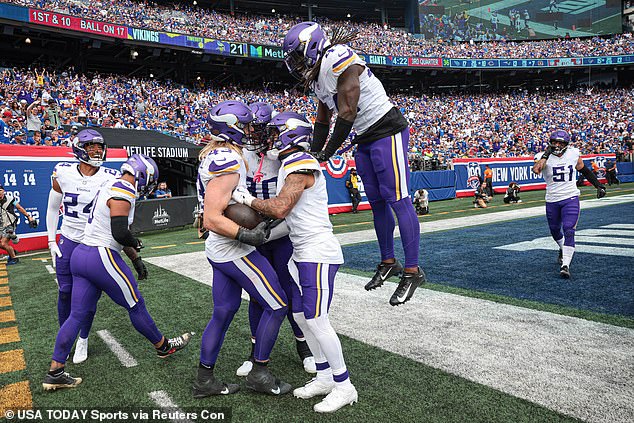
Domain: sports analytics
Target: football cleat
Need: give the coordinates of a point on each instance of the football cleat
(260, 379)
(176, 344)
(339, 397)
(245, 368)
(564, 272)
(384, 271)
(13, 261)
(406, 287)
(207, 385)
(314, 388)
(64, 380)
(560, 257)
(306, 356)
(81, 350)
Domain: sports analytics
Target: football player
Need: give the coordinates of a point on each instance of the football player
(344, 84)
(97, 266)
(557, 164)
(236, 264)
(302, 200)
(75, 185)
(262, 173)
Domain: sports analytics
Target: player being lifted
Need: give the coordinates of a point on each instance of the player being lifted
(343, 83)
(557, 164)
(235, 263)
(76, 184)
(303, 201)
(97, 267)
(261, 182)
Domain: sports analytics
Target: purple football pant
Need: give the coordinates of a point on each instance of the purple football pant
(314, 289)
(564, 215)
(65, 284)
(97, 269)
(278, 252)
(254, 274)
(384, 170)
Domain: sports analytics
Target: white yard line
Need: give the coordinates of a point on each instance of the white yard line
(124, 357)
(165, 402)
(50, 269)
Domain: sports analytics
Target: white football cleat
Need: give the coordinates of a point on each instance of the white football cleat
(245, 368)
(81, 350)
(313, 388)
(309, 365)
(339, 397)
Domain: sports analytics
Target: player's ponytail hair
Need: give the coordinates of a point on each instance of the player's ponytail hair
(340, 35)
(216, 143)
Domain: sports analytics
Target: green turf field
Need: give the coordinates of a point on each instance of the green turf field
(391, 387)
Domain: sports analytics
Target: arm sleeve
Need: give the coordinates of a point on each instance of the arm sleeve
(590, 176)
(52, 214)
(121, 233)
(319, 136)
(339, 135)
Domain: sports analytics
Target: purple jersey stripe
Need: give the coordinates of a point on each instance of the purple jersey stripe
(213, 167)
(303, 156)
(123, 186)
(349, 55)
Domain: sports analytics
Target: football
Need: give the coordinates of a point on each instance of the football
(243, 215)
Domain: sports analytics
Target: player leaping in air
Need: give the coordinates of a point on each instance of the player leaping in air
(557, 164)
(344, 84)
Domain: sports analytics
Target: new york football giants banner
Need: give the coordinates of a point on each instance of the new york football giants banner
(336, 171)
(25, 174)
(469, 172)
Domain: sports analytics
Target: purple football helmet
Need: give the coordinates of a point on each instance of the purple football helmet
(262, 114)
(144, 170)
(82, 140)
(229, 121)
(303, 46)
(560, 136)
(289, 129)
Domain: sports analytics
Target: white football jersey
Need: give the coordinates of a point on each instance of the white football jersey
(222, 161)
(79, 192)
(373, 101)
(98, 229)
(560, 175)
(308, 222)
(267, 186)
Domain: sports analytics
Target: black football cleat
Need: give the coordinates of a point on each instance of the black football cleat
(406, 287)
(207, 385)
(61, 381)
(260, 379)
(175, 344)
(564, 272)
(384, 271)
(560, 257)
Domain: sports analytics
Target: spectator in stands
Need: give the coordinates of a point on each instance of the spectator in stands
(33, 120)
(162, 191)
(480, 196)
(5, 127)
(352, 185)
(512, 194)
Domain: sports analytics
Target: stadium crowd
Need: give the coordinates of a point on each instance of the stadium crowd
(373, 38)
(442, 126)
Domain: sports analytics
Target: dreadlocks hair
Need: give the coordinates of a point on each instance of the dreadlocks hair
(340, 35)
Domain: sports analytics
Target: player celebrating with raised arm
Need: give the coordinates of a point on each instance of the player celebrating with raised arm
(557, 164)
(262, 173)
(76, 184)
(303, 201)
(343, 83)
(235, 263)
(96, 266)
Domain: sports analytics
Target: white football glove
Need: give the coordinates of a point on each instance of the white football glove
(55, 252)
(242, 196)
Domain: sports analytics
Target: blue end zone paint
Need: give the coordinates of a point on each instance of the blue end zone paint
(466, 258)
